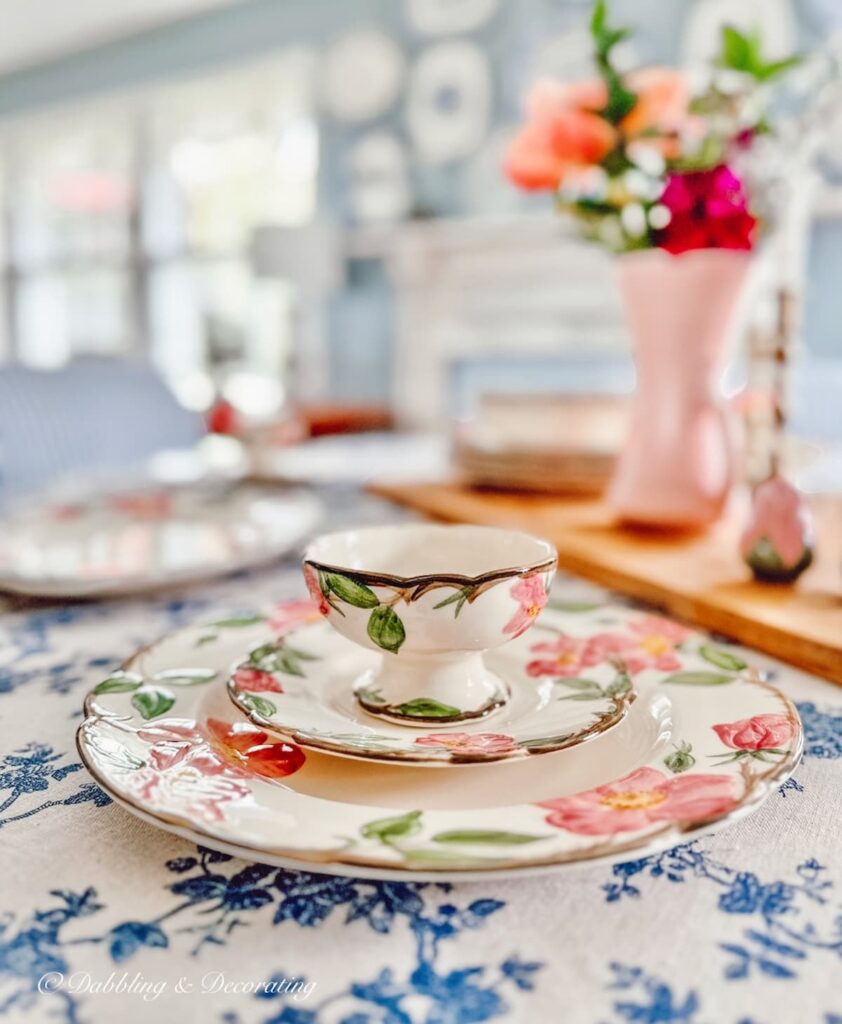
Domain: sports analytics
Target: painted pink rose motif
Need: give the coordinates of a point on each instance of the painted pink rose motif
(289, 614)
(198, 769)
(255, 680)
(564, 656)
(531, 595)
(756, 737)
(469, 743)
(653, 644)
(311, 580)
(643, 798)
(183, 774)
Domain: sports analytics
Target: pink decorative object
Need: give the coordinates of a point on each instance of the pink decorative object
(678, 464)
(778, 542)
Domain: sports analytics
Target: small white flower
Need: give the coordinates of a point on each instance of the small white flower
(633, 217)
(642, 185)
(659, 217)
(646, 157)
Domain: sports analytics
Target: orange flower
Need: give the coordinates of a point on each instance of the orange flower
(662, 104)
(563, 133)
(548, 97)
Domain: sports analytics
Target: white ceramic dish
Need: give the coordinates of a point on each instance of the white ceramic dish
(429, 600)
(148, 537)
(300, 685)
(694, 753)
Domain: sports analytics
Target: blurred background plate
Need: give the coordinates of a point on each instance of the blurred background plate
(140, 539)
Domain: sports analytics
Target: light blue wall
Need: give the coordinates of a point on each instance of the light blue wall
(361, 318)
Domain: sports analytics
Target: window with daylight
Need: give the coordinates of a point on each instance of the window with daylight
(128, 225)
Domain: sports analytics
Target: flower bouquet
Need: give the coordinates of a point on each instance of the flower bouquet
(659, 172)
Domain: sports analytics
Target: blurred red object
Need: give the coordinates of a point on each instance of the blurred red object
(331, 418)
(223, 418)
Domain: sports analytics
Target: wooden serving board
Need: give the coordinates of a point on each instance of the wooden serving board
(699, 578)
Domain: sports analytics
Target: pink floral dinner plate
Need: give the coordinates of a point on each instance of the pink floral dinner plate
(299, 677)
(700, 747)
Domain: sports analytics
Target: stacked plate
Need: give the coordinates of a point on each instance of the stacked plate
(618, 733)
(542, 443)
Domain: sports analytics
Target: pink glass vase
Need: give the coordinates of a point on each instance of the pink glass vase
(678, 463)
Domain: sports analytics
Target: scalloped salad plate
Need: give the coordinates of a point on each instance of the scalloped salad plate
(702, 745)
(301, 685)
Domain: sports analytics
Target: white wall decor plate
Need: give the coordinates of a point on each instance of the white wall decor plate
(447, 17)
(378, 178)
(146, 538)
(700, 748)
(362, 75)
(449, 102)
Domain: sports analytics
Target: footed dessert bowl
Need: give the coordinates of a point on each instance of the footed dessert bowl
(430, 599)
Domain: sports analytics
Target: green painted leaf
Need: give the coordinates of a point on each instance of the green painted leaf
(301, 655)
(261, 655)
(120, 682)
(238, 622)
(458, 598)
(386, 829)
(693, 678)
(490, 837)
(386, 629)
(260, 705)
(622, 684)
(577, 683)
(276, 657)
(680, 759)
(424, 707)
(351, 592)
(722, 659)
(586, 689)
(185, 676)
(286, 661)
(371, 695)
(151, 702)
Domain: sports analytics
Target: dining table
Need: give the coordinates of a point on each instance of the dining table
(104, 917)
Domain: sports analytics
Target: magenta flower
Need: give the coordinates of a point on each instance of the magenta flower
(531, 594)
(643, 798)
(708, 210)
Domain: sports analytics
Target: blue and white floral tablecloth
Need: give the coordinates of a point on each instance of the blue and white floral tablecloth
(104, 918)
